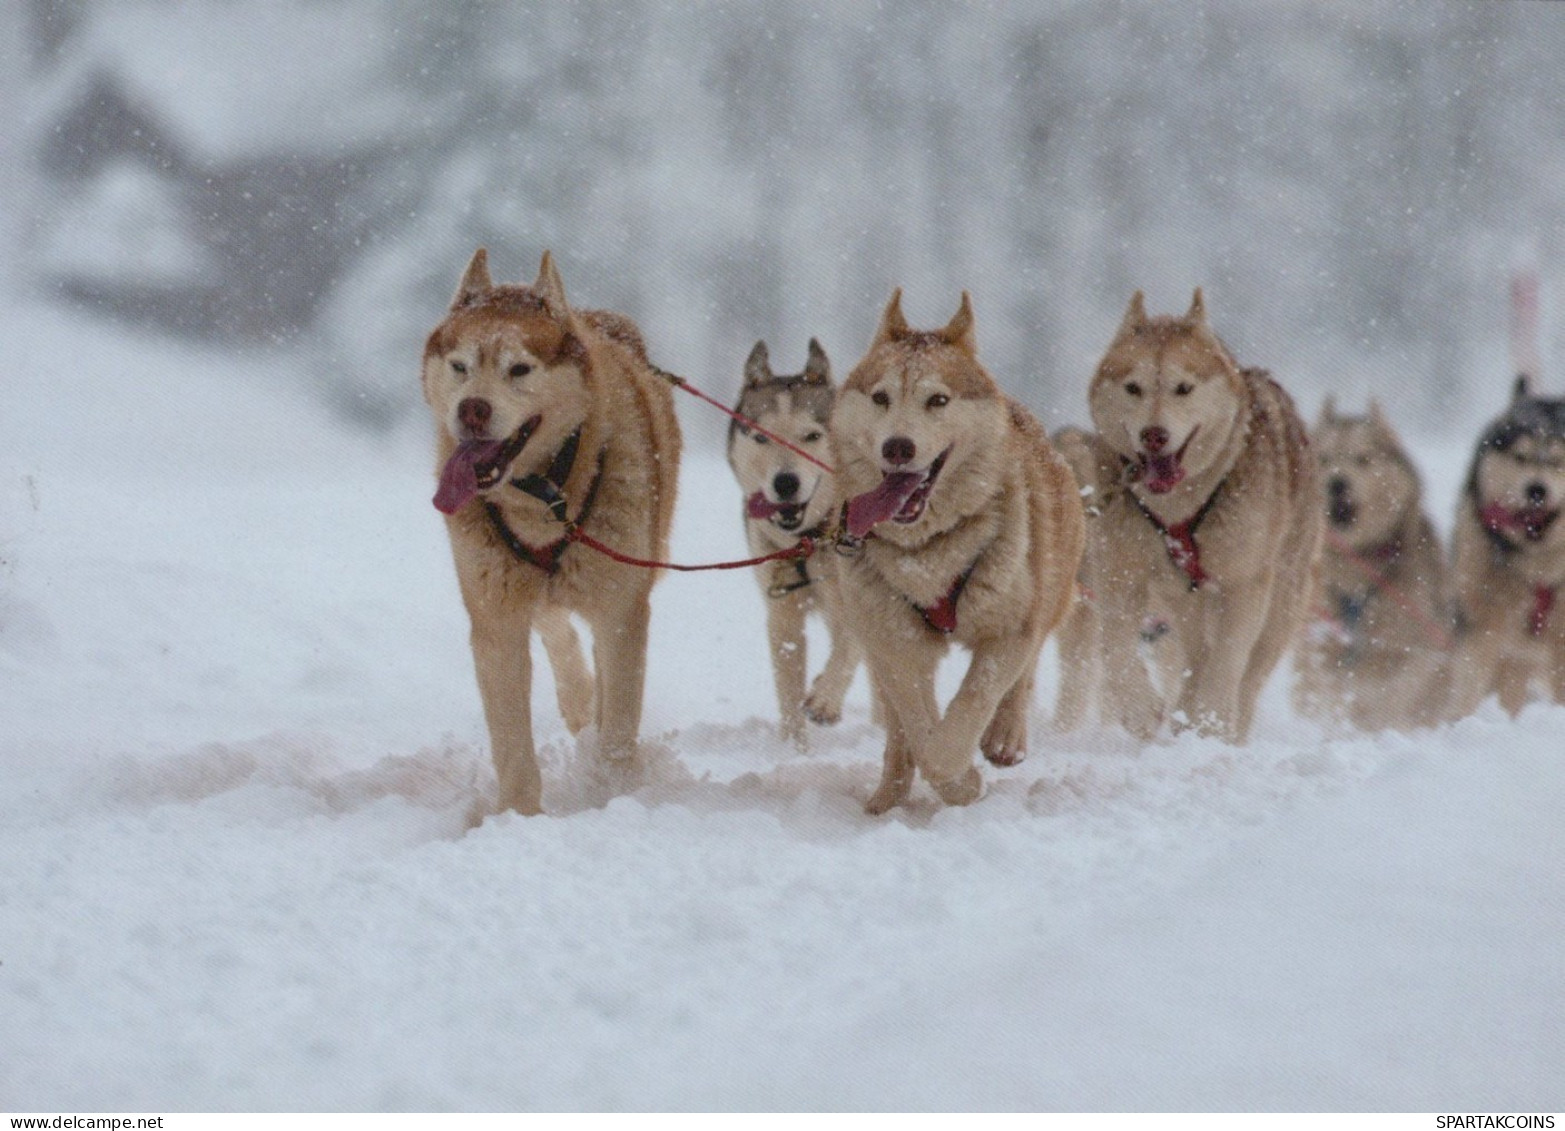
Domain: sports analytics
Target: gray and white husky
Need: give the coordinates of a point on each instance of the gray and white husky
(786, 497)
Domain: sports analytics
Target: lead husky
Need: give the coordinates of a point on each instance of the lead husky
(544, 415)
(1380, 658)
(786, 498)
(1212, 526)
(972, 533)
(1510, 557)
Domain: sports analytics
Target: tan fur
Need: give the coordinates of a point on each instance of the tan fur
(1080, 635)
(1378, 653)
(1497, 592)
(797, 409)
(588, 368)
(1241, 441)
(1004, 507)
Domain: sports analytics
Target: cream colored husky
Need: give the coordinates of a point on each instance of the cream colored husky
(1207, 537)
(972, 534)
(786, 498)
(546, 415)
(1379, 653)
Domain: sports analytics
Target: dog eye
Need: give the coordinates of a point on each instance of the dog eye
(521, 369)
(459, 368)
(1183, 389)
(813, 438)
(939, 400)
(1132, 388)
(759, 438)
(882, 398)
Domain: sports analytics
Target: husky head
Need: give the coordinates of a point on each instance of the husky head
(780, 486)
(507, 377)
(917, 429)
(1371, 487)
(1167, 396)
(1517, 481)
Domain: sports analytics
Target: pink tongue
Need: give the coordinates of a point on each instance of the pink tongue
(1164, 473)
(873, 507)
(459, 479)
(759, 506)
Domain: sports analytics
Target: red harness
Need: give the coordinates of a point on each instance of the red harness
(941, 616)
(1542, 605)
(1179, 539)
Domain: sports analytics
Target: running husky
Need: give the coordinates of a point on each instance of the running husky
(1510, 558)
(786, 498)
(1208, 533)
(972, 533)
(1380, 658)
(546, 415)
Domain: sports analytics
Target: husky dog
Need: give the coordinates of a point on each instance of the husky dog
(972, 532)
(1080, 635)
(547, 416)
(786, 498)
(1509, 550)
(1380, 656)
(1209, 535)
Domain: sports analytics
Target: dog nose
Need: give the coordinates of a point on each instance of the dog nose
(473, 414)
(1337, 487)
(1154, 439)
(898, 450)
(786, 485)
(1536, 492)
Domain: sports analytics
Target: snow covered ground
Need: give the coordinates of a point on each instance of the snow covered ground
(239, 736)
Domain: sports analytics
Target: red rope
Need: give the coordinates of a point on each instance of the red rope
(1438, 635)
(803, 548)
(680, 382)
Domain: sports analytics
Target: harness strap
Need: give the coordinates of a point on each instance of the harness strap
(941, 616)
(802, 578)
(1179, 539)
(1542, 606)
(547, 490)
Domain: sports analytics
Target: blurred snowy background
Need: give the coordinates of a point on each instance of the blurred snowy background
(1352, 180)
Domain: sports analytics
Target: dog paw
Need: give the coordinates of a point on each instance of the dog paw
(1005, 742)
(963, 789)
(891, 793)
(792, 731)
(823, 711)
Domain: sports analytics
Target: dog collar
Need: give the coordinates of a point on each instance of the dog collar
(801, 569)
(941, 616)
(1179, 538)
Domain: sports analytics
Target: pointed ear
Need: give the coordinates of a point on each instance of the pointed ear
(959, 331)
(1196, 315)
(1328, 411)
(475, 280)
(758, 366)
(1522, 388)
(1377, 415)
(892, 324)
(817, 369)
(1135, 319)
(549, 288)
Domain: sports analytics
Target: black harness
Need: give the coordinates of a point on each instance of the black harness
(548, 489)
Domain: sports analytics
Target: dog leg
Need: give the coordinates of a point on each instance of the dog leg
(785, 634)
(824, 705)
(1005, 739)
(503, 659)
(619, 652)
(1234, 620)
(572, 679)
(998, 667)
(896, 771)
(907, 696)
(1127, 692)
(1078, 637)
(1513, 683)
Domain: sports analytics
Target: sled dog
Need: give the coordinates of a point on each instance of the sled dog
(1080, 635)
(1509, 558)
(972, 534)
(1377, 655)
(546, 415)
(1208, 537)
(785, 498)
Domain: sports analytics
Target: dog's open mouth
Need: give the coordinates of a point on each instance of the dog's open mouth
(1161, 472)
(901, 498)
(478, 465)
(1532, 523)
(787, 516)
